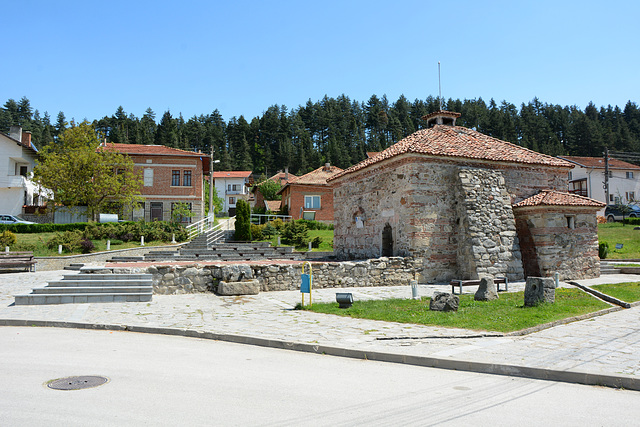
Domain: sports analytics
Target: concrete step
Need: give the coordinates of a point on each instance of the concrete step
(105, 276)
(99, 283)
(73, 266)
(57, 290)
(39, 299)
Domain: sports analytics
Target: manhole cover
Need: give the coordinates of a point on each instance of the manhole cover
(77, 383)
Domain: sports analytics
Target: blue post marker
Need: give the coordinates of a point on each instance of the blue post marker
(307, 282)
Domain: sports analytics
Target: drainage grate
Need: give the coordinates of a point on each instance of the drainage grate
(77, 383)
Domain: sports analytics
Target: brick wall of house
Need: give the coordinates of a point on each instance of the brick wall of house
(162, 190)
(294, 195)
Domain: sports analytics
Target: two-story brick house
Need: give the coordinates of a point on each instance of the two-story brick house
(171, 176)
(232, 186)
(309, 196)
(17, 159)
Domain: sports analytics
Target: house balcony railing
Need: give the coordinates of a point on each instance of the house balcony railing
(231, 192)
(579, 192)
(13, 181)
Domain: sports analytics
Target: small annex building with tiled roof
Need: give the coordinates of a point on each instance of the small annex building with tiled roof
(449, 197)
(310, 196)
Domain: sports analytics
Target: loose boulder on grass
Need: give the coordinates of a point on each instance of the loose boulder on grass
(539, 289)
(487, 290)
(443, 301)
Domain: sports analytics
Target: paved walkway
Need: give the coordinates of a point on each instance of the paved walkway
(605, 346)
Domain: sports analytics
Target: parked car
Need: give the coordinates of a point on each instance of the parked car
(614, 212)
(11, 219)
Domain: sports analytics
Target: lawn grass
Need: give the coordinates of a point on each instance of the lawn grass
(616, 232)
(506, 314)
(628, 292)
(38, 242)
(325, 246)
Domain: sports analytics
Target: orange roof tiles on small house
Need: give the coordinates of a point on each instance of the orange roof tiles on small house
(459, 142)
(272, 205)
(317, 177)
(598, 162)
(556, 198)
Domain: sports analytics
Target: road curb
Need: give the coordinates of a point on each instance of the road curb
(575, 377)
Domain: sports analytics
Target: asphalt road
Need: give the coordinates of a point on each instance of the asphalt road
(163, 380)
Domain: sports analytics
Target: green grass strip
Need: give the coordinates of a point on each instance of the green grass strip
(506, 314)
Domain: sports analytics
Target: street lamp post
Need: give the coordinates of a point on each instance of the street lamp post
(211, 184)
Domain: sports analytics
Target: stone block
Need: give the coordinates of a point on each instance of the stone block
(443, 301)
(487, 290)
(539, 289)
(249, 287)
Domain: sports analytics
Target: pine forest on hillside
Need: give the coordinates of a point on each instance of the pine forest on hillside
(340, 131)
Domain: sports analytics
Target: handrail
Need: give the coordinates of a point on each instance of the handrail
(207, 225)
(199, 227)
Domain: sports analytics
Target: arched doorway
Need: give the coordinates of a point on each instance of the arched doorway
(387, 240)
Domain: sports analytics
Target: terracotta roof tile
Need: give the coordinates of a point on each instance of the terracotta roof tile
(273, 205)
(459, 142)
(556, 198)
(151, 150)
(598, 162)
(318, 176)
(231, 174)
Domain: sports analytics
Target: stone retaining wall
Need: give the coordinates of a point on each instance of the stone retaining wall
(196, 278)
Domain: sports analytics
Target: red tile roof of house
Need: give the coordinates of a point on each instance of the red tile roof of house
(152, 150)
(598, 162)
(459, 142)
(318, 176)
(556, 198)
(283, 177)
(231, 174)
(273, 205)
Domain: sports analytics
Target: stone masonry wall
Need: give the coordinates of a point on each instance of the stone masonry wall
(416, 196)
(487, 240)
(572, 252)
(275, 277)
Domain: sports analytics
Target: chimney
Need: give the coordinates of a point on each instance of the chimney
(327, 166)
(441, 117)
(26, 138)
(15, 132)
(286, 173)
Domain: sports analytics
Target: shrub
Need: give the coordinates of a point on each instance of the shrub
(24, 247)
(269, 231)
(256, 232)
(295, 233)
(7, 238)
(243, 221)
(116, 242)
(70, 241)
(315, 243)
(86, 245)
(278, 224)
(603, 250)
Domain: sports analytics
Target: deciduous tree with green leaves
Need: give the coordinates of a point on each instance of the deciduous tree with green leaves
(80, 172)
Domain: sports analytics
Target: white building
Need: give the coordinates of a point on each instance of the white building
(587, 179)
(232, 186)
(17, 160)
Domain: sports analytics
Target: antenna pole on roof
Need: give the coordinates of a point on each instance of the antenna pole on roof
(439, 87)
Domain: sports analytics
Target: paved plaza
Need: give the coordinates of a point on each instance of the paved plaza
(605, 346)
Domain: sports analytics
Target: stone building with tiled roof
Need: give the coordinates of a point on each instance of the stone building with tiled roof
(309, 196)
(464, 205)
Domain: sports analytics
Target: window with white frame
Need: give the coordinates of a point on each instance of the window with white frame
(232, 200)
(629, 175)
(630, 195)
(312, 202)
(186, 178)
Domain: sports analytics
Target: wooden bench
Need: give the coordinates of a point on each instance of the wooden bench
(18, 260)
(460, 283)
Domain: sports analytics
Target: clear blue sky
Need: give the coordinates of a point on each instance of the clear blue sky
(86, 58)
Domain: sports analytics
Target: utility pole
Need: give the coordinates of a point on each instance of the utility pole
(606, 175)
(211, 184)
